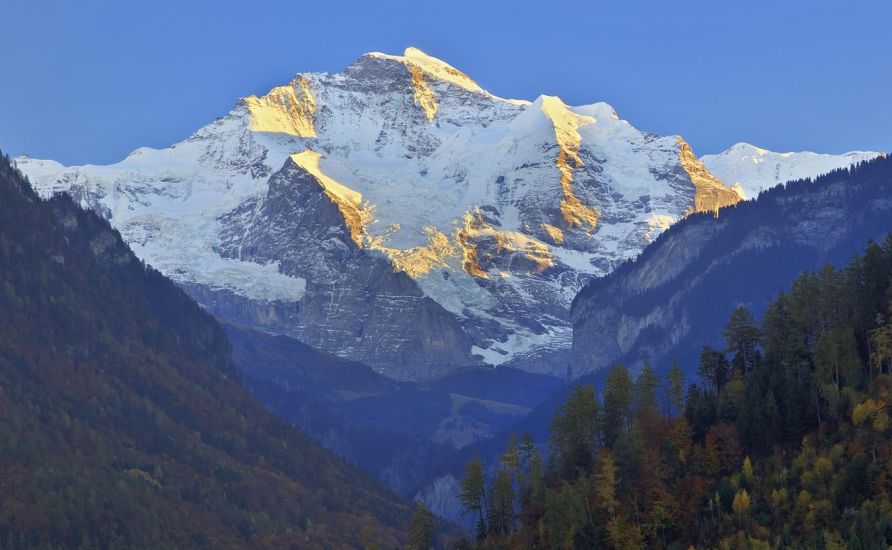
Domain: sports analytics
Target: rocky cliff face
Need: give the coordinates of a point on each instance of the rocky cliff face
(353, 302)
(685, 285)
(398, 214)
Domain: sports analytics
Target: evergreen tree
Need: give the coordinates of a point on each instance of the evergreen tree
(646, 386)
(421, 529)
(473, 494)
(742, 336)
(713, 368)
(576, 431)
(501, 507)
(676, 387)
(617, 404)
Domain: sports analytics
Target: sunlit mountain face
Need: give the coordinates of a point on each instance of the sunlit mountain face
(400, 215)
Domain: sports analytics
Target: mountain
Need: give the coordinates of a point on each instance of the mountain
(688, 282)
(124, 423)
(750, 169)
(397, 214)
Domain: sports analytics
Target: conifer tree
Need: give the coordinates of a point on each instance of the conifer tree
(676, 387)
(421, 529)
(742, 337)
(617, 404)
(473, 494)
(646, 387)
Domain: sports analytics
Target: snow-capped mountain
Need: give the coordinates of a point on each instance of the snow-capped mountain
(750, 169)
(398, 214)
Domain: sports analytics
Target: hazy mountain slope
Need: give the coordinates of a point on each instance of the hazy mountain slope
(684, 285)
(750, 169)
(123, 422)
(398, 214)
(398, 432)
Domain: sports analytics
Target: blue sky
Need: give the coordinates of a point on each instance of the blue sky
(87, 81)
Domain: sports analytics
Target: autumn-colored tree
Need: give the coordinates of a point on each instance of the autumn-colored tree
(605, 482)
(741, 504)
(722, 449)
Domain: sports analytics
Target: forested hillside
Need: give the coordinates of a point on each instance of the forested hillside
(123, 423)
(677, 294)
(784, 440)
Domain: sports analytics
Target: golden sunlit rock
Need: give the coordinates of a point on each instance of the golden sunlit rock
(710, 193)
(566, 124)
(288, 109)
(554, 233)
(356, 214)
(424, 96)
(476, 229)
(419, 260)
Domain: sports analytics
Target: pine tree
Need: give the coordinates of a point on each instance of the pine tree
(676, 387)
(473, 494)
(646, 388)
(617, 404)
(421, 529)
(742, 337)
(576, 431)
(501, 507)
(713, 368)
(512, 460)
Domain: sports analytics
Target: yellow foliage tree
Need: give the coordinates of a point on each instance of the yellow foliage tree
(741, 503)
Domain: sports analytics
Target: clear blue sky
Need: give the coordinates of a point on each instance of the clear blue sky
(90, 80)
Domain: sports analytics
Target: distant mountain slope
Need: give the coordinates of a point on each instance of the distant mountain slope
(397, 431)
(679, 292)
(397, 214)
(750, 169)
(122, 420)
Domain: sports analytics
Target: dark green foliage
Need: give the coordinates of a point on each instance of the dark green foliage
(786, 443)
(421, 530)
(122, 420)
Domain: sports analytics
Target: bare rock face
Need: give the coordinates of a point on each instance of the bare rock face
(354, 302)
(683, 288)
(398, 214)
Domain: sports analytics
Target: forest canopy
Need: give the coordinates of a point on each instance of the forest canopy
(782, 442)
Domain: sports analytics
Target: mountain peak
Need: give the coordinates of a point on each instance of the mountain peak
(752, 169)
(432, 67)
